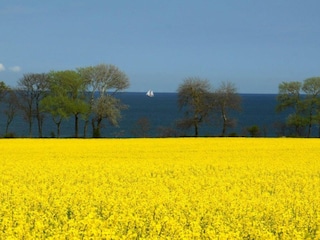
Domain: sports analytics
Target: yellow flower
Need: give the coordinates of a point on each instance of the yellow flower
(175, 188)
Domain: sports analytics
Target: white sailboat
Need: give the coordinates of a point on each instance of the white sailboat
(150, 93)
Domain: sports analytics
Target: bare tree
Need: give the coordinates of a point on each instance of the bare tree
(11, 108)
(227, 100)
(4, 96)
(142, 127)
(32, 88)
(194, 98)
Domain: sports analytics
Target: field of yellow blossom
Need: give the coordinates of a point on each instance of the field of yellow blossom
(175, 188)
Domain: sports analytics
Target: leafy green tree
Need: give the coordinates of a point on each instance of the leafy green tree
(3, 89)
(56, 104)
(226, 100)
(305, 109)
(289, 97)
(32, 88)
(194, 99)
(311, 87)
(66, 98)
(104, 81)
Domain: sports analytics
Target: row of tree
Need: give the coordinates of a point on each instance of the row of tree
(301, 100)
(201, 104)
(86, 92)
(89, 94)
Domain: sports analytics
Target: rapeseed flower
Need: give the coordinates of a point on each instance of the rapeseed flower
(179, 188)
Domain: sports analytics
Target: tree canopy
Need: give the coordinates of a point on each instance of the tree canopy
(227, 100)
(104, 81)
(302, 99)
(194, 101)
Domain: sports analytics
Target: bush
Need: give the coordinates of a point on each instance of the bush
(233, 134)
(254, 131)
(10, 135)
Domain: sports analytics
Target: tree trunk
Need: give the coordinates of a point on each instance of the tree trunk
(30, 128)
(309, 130)
(85, 128)
(224, 127)
(99, 126)
(196, 132)
(76, 120)
(95, 128)
(9, 120)
(38, 115)
(310, 124)
(7, 128)
(58, 129)
(40, 124)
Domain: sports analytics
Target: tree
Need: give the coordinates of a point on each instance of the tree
(311, 86)
(66, 98)
(254, 131)
(32, 88)
(106, 107)
(227, 100)
(3, 90)
(289, 97)
(56, 104)
(142, 127)
(104, 81)
(11, 109)
(194, 98)
(7, 95)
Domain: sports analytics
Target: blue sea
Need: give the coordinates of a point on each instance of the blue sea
(161, 113)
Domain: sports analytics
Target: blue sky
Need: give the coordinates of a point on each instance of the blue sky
(255, 44)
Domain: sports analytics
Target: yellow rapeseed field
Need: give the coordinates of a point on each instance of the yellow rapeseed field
(176, 188)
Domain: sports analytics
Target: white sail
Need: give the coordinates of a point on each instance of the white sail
(150, 93)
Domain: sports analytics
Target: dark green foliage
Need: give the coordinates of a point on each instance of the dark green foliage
(254, 131)
(3, 89)
(66, 97)
(303, 102)
(10, 135)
